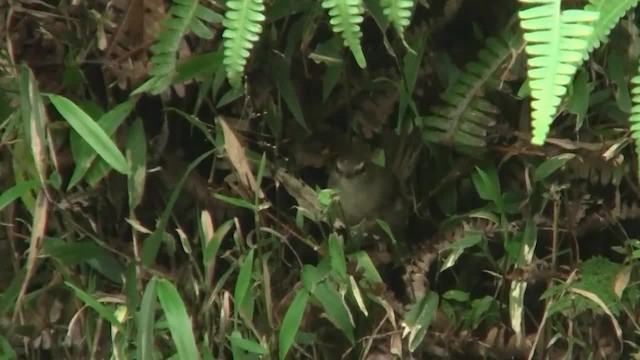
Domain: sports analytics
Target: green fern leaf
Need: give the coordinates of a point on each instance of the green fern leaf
(635, 112)
(242, 30)
(398, 12)
(610, 13)
(184, 16)
(345, 19)
(463, 121)
(556, 41)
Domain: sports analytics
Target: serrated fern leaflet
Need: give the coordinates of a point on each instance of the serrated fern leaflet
(465, 117)
(243, 27)
(345, 19)
(184, 16)
(610, 13)
(556, 42)
(398, 12)
(635, 112)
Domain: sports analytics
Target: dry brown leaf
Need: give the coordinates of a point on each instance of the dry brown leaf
(304, 195)
(373, 109)
(238, 158)
(596, 299)
(622, 280)
(37, 122)
(133, 28)
(38, 229)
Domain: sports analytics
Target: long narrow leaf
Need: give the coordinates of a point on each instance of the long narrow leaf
(90, 132)
(178, 320)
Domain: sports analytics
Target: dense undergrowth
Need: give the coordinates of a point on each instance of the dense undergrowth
(164, 167)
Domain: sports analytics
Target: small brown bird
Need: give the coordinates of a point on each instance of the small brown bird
(367, 192)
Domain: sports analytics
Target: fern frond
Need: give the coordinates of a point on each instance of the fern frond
(398, 12)
(610, 14)
(556, 41)
(345, 19)
(634, 119)
(465, 117)
(184, 16)
(243, 27)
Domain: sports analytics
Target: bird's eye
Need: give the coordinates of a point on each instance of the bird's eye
(358, 168)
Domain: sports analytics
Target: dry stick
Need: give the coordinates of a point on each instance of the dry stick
(556, 220)
(136, 250)
(96, 339)
(121, 28)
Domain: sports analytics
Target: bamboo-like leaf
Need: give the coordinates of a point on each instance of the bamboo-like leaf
(91, 132)
(177, 320)
(291, 322)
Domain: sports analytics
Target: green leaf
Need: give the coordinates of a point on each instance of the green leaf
(616, 65)
(291, 322)
(550, 166)
(366, 266)
(479, 308)
(198, 65)
(90, 132)
(456, 295)
(145, 322)
(236, 202)
(281, 70)
(98, 171)
(419, 318)
(16, 191)
(10, 293)
(335, 308)
(287, 8)
(330, 53)
(470, 238)
(579, 101)
(177, 320)
(387, 230)
(311, 276)
(71, 253)
(230, 96)
(108, 267)
(410, 67)
(213, 245)
(488, 186)
(251, 346)
(131, 286)
(83, 154)
(104, 312)
(244, 280)
(336, 255)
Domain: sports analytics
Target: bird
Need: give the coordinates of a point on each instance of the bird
(367, 192)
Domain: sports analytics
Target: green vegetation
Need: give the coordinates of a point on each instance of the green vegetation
(164, 172)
